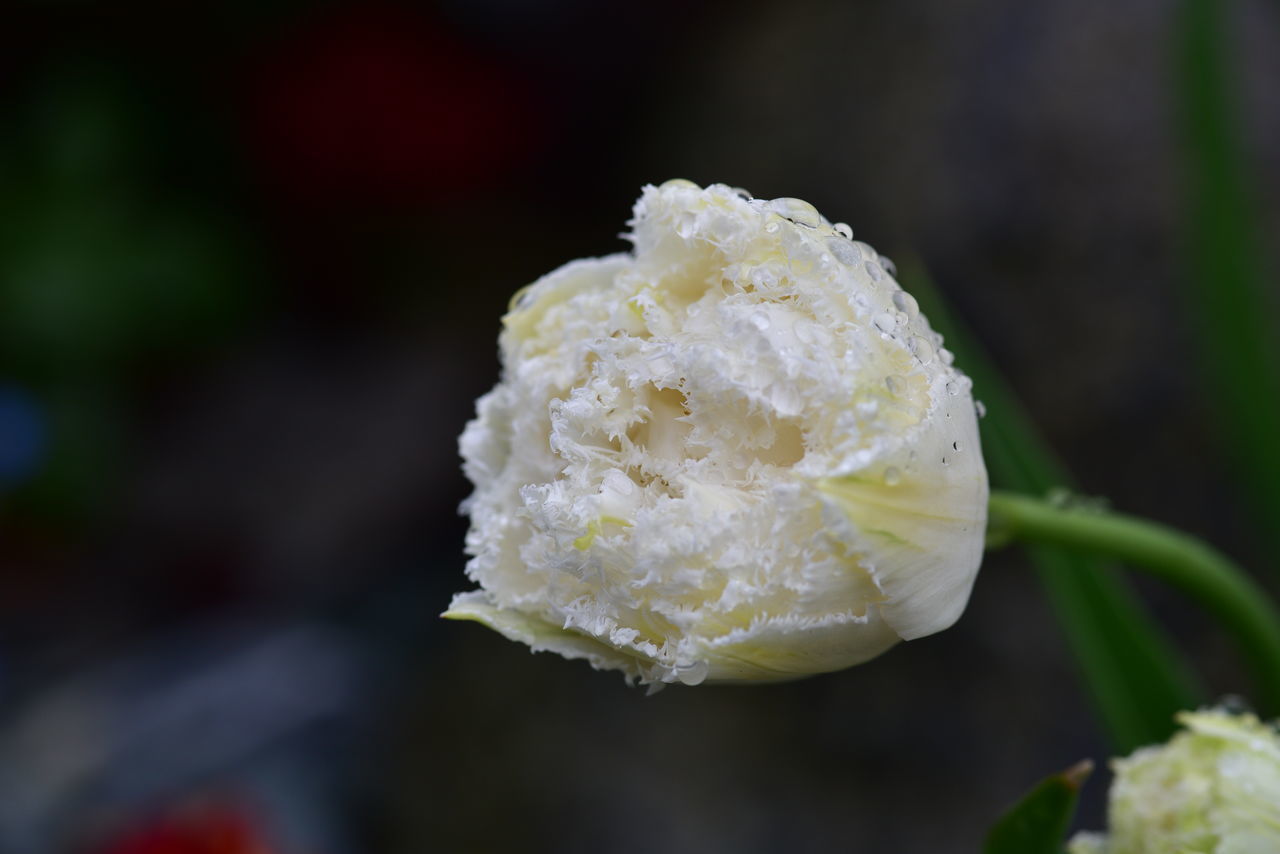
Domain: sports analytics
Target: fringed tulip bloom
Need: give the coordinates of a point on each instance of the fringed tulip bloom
(1213, 789)
(737, 452)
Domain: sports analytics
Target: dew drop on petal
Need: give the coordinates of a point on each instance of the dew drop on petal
(953, 388)
(874, 271)
(889, 267)
(694, 674)
(922, 349)
(521, 299)
(892, 477)
(797, 210)
(906, 304)
(845, 252)
(885, 321)
(981, 408)
(843, 229)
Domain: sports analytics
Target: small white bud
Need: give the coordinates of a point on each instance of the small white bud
(1213, 789)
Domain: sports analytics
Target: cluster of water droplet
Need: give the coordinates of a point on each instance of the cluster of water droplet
(901, 318)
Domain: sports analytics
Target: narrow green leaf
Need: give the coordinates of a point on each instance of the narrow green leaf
(1231, 298)
(1134, 674)
(1038, 823)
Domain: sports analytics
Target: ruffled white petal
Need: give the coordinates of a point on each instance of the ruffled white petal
(735, 453)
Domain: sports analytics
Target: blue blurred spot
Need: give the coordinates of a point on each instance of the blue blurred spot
(22, 435)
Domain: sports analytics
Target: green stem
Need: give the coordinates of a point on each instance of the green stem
(1194, 567)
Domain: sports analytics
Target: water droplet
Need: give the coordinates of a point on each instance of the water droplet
(946, 356)
(1060, 497)
(1236, 705)
(955, 446)
(892, 477)
(615, 481)
(889, 267)
(885, 321)
(922, 349)
(693, 674)
(874, 271)
(895, 384)
(845, 252)
(906, 303)
(743, 193)
(771, 227)
(953, 388)
(981, 408)
(521, 299)
(678, 183)
(797, 210)
(843, 229)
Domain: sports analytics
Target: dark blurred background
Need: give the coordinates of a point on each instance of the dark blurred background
(252, 260)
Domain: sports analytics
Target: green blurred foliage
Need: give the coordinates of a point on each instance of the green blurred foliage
(1231, 293)
(105, 277)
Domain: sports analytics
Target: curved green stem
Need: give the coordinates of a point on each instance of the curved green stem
(1194, 567)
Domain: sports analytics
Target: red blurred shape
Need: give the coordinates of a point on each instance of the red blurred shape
(209, 830)
(373, 103)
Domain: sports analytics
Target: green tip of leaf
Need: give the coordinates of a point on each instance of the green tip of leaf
(1077, 774)
(1038, 823)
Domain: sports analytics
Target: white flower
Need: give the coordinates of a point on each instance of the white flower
(1213, 789)
(736, 453)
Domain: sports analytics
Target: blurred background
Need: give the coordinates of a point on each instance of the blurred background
(252, 261)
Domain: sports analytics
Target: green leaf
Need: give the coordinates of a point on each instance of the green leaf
(1038, 823)
(1136, 679)
(1231, 298)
